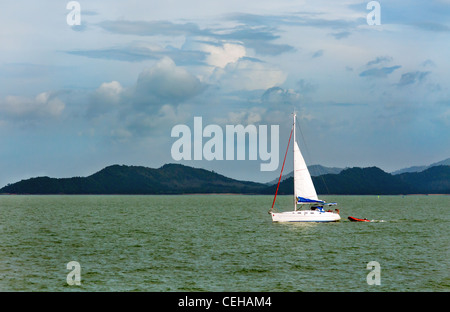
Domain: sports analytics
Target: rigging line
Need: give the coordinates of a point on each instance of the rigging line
(309, 156)
(278, 208)
(281, 173)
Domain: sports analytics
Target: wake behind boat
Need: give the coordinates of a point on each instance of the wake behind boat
(304, 193)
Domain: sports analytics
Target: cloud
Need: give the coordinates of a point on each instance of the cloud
(218, 53)
(428, 62)
(260, 32)
(145, 107)
(379, 60)
(215, 48)
(379, 72)
(166, 83)
(220, 56)
(305, 86)
(268, 25)
(317, 54)
(211, 52)
(307, 19)
(412, 77)
(45, 105)
(246, 74)
(152, 28)
(266, 48)
(142, 124)
(245, 117)
(432, 26)
(141, 51)
(277, 96)
(341, 35)
(259, 38)
(165, 94)
(105, 98)
(80, 28)
(111, 90)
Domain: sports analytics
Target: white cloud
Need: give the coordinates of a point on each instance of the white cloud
(145, 108)
(277, 96)
(105, 98)
(220, 56)
(165, 83)
(44, 105)
(248, 75)
(110, 90)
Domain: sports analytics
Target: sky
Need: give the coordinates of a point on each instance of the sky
(77, 98)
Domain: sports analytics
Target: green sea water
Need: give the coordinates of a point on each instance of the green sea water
(221, 243)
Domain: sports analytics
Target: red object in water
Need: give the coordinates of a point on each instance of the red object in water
(358, 220)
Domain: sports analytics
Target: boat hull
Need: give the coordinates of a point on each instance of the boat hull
(353, 219)
(305, 216)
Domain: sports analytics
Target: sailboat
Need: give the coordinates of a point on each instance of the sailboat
(305, 196)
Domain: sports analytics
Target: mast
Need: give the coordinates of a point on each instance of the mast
(295, 196)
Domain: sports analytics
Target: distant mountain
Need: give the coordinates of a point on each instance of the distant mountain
(116, 179)
(180, 179)
(318, 170)
(434, 180)
(374, 181)
(445, 162)
(314, 171)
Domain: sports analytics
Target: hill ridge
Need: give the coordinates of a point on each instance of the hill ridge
(181, 179)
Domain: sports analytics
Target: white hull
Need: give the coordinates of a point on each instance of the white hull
(305, 216)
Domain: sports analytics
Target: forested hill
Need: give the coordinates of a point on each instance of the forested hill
(180, 179)
(116, 179)
(374, 181)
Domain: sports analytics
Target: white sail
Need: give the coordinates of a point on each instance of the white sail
(304, 186)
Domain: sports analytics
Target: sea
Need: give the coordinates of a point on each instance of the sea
(221, 243)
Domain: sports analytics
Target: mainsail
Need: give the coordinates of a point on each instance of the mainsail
(303, 184)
